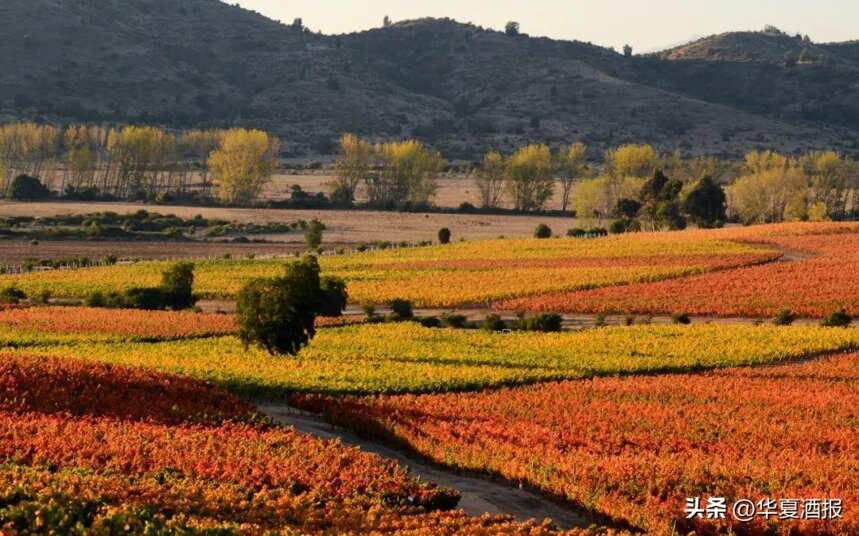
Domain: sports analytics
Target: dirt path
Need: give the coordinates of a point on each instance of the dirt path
(571, 321)
(479, 496)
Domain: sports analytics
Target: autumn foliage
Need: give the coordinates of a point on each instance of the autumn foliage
(79, 458)
(634, 448)
(817, 277)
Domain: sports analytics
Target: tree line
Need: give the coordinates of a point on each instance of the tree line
(138, 162)
(234, 166)
(764, 187)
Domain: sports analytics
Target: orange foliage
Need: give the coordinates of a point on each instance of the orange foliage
(635, 448)
(817, 277)
(131, 322)
(108, 446)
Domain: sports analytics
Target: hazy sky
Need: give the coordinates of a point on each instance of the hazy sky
(646, 24)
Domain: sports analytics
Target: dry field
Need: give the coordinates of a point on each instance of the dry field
(452, 191)
(344, 228)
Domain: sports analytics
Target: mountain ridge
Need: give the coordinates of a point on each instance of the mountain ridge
(459, 86)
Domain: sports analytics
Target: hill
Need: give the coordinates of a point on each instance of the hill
(461, 87)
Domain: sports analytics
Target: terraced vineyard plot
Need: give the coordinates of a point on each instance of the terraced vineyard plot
(635, 448)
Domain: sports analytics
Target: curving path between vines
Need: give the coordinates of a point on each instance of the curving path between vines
(479, 495)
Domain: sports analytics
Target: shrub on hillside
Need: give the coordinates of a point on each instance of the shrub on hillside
(313, 233)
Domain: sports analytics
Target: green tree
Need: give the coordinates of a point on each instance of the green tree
(706, 204)
(543, 231)
(627, 208)
(512, 28)
(444, 235)
(27, 188)
(334, 296)
(177, 283)
(660, 202)
(279, 314)
(313, 231)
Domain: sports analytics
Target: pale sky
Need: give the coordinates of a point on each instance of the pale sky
(645, 24)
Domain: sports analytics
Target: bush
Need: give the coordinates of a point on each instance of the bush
(576, 232)
(681, 318)
(455, 321)
(177, 283)
(96, 299)
(430, 322)
(27, 188)
(369, 310)
(12, 295)
(150, 299)
(545, 322)
(279, 314)
(618, 227)
(628, 320)
(467, 208)
(444, 235)
(599, 321)
(494, 323)
(401, 310)
(784, 318)
(313, 233)
(543, 231)
(334, 296)
(837, 319)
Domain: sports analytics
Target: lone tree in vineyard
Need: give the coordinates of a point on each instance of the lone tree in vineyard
(279, 314)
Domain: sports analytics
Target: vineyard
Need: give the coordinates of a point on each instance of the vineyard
(150, 422)
(634, 448)
(821, 280)
(440, 276)
(188, 458)
(406, 357)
